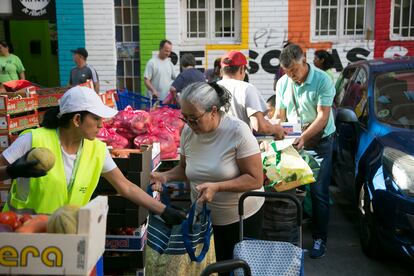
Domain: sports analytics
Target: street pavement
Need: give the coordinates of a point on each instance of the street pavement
(344, 255)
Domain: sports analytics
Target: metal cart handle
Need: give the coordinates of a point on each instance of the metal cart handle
(226, 266)
(269, 195)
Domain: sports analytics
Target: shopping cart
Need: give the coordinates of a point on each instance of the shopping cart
(226, 266)
(137, 101)
(270, 257)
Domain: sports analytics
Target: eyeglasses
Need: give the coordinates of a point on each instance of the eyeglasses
(192, 121)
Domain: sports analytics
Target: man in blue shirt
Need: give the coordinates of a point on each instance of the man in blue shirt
(188, 75)
(305, 94)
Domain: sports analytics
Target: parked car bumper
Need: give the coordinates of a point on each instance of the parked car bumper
(394, 214)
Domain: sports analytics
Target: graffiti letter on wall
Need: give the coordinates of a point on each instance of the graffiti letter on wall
(353, 54)
(395, 51)
(258, 35)
(253, 66)
(174, 58)
(266, 65)
(269, 39)
(337, 61)
(268, 33)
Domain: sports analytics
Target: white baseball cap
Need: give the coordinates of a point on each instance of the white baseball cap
(81, 98)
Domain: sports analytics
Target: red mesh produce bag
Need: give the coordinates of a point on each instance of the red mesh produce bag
(140, 122)
(127, 133)
(115, 140)
(144, 139)
(103, 134)
(167, 143)
(124, 117)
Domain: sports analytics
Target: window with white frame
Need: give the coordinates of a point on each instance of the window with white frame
(211, 20)
(336, 18)
(403, 21)
(354, 17)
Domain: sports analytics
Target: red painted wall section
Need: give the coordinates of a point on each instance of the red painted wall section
(299, 25)
(382, 31)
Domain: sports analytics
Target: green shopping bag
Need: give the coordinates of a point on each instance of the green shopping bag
(314, 165)
(285, 168)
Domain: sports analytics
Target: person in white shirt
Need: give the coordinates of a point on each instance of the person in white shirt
(220, 158)
(247, 103)
(159, 72)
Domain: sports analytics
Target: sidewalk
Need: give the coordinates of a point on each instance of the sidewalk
(344, 255)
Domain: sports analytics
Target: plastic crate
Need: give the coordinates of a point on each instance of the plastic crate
(137, 101)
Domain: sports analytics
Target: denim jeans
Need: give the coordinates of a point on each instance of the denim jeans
(320, 190)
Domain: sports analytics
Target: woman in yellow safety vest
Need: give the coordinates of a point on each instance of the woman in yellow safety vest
(69, 131)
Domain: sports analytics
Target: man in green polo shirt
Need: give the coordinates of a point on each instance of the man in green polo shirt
(305, 94)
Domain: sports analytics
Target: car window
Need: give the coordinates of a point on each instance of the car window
(394, 98)
(357, 94)
(342, 84)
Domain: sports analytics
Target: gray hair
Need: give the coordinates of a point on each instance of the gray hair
(291, 54)
(206, 95)
(187, 60)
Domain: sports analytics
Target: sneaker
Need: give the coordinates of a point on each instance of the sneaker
(318, 249)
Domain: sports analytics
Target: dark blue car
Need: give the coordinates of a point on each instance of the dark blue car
(374, 151)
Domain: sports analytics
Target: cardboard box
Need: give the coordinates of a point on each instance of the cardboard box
(10, 124)
(49, 97)
(5, 185)
(137, 160)
(293, 129)
(4, 191)
(6, 140)
(127, 243)
(58, 254)
(140, 179)
(88, 83)
(108, 98)
(17, 102)
(124, 213)
(41, 115)
(156, 156)
(124, 261)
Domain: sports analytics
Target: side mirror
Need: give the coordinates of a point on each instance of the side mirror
(346, 115)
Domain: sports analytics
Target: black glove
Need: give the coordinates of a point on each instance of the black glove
(173, 216)
(22, 168)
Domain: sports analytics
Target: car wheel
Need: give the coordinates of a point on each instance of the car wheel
(368, 234)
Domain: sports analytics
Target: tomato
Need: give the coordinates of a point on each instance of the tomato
(129, 231)
(8, 218)
(24, 218)
(16, 224)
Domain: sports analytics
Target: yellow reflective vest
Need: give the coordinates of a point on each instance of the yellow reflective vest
(50, 192)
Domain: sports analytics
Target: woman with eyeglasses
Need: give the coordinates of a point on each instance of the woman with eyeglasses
(11, 67)
(220, 158)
